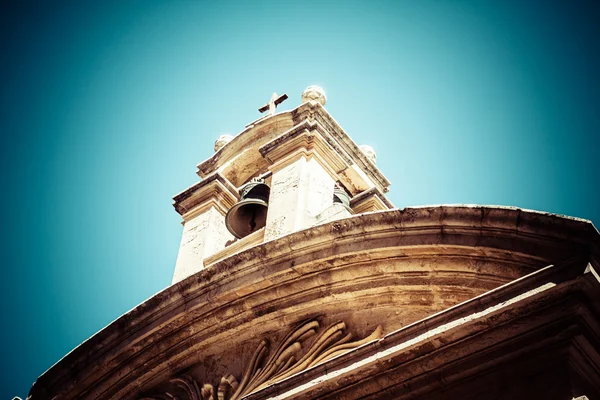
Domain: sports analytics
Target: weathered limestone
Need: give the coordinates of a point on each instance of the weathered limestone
(304, 153)
(334, 212)
(331, 342)
(202, 236)
(370, 200)
(203, 207)
(404, 269)
(500, 345)
(300, 191)
(306, 163)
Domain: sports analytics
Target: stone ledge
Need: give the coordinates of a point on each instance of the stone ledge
(122, 351)
(255, 238)
(214, 189)
(370, 200)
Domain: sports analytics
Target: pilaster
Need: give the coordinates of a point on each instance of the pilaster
(300, 190)
(203, 207)
(305, 166)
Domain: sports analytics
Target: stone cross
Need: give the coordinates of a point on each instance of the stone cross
(273, 103)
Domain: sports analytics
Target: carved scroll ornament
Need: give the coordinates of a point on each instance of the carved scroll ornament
(264, 370)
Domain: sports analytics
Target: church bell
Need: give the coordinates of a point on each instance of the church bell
(250, 213)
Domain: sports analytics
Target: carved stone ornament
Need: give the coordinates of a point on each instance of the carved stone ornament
(369, 152)
(264, 369)
(314, 93)
(222, 141)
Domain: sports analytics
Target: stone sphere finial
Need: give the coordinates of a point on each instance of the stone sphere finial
(314, 93)
(369, 152)
(222, 141)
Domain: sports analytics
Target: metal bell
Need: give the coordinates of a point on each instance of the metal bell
(250, 213)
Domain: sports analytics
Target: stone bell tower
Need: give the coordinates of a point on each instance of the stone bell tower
(285, 172)
(303, 284)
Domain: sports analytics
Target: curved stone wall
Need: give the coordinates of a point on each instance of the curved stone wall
(388, 268)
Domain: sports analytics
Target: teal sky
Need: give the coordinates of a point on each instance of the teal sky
(107, 107)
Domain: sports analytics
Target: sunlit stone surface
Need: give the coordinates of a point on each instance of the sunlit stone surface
(314, 93)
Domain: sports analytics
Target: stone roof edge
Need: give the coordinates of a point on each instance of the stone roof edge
(212, 164)
(175, 296)
(348, 145)
(525, 222)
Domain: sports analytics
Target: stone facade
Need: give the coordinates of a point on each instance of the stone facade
(336, 299)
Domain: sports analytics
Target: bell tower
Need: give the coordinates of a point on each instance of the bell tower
(286, 171)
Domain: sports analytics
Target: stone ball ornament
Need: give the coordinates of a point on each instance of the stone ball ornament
(222, 141)
(314, 93)
(369, 152)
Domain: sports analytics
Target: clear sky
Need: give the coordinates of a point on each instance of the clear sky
(107, 107)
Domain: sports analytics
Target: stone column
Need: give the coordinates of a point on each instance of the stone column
(203, 208)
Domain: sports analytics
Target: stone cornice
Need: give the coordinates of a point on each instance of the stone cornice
(244, 145)
(307, 135)
(214, 191)
(243, 148)
(161, 336)
(370, 200)
(307, 140)
(315, 111)
(310, 139)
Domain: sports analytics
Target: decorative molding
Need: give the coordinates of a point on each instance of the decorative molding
(244, 145)
(370, 200)
(506, 329)
(306, 136)
(309, 139)
(262, 370)
(214, 190)
(243, 148)
(314, 111)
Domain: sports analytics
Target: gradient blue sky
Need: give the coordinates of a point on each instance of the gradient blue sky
(106, 108)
